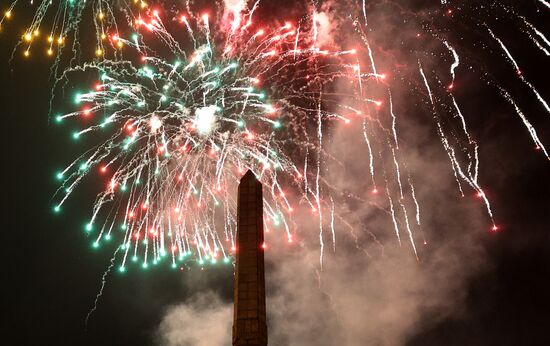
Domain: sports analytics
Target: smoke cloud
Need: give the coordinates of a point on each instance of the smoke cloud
(204, 320)
(371, 289)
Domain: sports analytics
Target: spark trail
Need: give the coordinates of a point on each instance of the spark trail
(454, 64)
(100, 293)
(518, 71)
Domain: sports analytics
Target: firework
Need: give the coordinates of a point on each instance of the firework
(181, 132)
(195, 102)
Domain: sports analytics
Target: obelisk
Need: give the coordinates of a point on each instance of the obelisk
(249, 314)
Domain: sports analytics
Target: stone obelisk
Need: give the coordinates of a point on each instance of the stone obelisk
(249, 314)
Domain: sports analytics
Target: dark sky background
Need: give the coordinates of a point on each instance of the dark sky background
(51, 274)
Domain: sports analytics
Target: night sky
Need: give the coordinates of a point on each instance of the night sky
(52, 274)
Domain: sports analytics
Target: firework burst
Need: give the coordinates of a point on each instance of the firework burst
(181, 133)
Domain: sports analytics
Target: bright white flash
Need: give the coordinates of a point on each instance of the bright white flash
(205, 120)
(155, 123)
